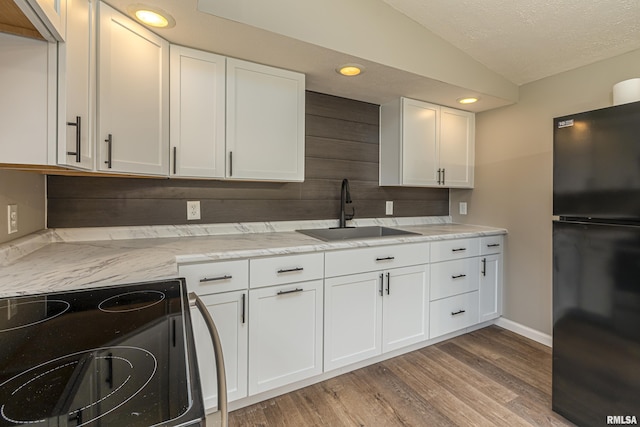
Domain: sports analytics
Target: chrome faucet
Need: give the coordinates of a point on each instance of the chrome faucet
(345, 197)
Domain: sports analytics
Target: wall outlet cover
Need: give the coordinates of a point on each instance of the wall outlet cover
(389, 207)
(463, 208)
(12, 219)
(193, 210)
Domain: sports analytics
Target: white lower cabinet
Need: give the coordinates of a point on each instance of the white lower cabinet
(229, 313)
(490, 291)
(453, 313)
(285, 336)
(370, 313)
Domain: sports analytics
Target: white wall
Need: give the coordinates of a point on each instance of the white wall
(513, 181)
(27, 190)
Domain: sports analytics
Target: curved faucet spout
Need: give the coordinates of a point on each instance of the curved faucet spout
(345, 197)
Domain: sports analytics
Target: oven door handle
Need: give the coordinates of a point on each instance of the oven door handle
(194, 300)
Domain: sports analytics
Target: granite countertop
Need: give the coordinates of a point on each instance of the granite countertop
(54, 260)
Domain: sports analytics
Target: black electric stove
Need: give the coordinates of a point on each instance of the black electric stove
(109, 356)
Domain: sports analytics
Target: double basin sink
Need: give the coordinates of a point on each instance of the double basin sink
(354, 233)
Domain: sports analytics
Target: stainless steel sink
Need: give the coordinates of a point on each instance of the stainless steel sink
(354, 233)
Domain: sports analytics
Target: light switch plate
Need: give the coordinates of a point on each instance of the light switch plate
(389, 207)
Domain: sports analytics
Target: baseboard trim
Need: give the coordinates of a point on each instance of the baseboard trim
(525, 331)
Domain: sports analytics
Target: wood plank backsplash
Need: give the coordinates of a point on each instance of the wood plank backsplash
(341, 142)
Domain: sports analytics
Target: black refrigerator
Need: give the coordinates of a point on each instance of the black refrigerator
(596, 266)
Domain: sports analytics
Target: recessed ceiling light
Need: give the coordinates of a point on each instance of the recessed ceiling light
(151, 16)
(350, 70)
(469, 100)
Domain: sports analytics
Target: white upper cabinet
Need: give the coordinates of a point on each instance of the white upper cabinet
(27, 110)
(265, 122)
(197, 113)
(76, 87)
(426, 145)
(47, 16)
(133, 88)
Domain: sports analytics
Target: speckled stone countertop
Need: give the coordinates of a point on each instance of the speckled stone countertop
(61, 259)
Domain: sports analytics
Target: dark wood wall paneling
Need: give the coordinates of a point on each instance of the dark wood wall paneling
(341, 142)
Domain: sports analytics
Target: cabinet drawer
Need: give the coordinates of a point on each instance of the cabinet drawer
(286, 269)
(453, 313)
(351, 261)
(454, 249)
(216, 277)
(454, 277)
(491, 245)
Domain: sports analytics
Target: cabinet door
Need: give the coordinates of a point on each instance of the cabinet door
(76, 87)
(457, 142)
(197, 113)
(353, 319)
(490, 292)
(27, 110)
(133, 126)
(420, 152)
(405, 307)
(265, 122)
(229, 313)
(285, 338)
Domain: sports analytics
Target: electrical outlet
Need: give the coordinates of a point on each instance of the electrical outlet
(12, 219)
(389, 207)
(463, 208)
(193, 210)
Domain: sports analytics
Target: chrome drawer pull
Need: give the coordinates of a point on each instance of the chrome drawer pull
(213, 279)
(388, 258)
(458, 312)
(493, 245)
(290, 270)
(290, 292)
(459, 276)
(458, 249)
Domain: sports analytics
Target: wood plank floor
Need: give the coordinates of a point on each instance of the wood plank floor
(490, 377)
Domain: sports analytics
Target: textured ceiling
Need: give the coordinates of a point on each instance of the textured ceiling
(525, 40)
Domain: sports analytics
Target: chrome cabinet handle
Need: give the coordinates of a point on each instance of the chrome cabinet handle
(388, 258)
(109, 142)
(493, 245)
(230, 163)
(439, 173)
(458, 249)
(458, 312)
(484, 266)
(388, 283)
(443, 180)
(459, 276)
(381, 284)
(290, 270)
(194, 300)
(213, 279)
(78, 125)
(292, 291)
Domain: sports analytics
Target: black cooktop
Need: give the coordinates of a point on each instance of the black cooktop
(109, 356)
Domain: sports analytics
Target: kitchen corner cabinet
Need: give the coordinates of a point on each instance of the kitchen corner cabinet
(265, 122)
(490, 291)
(133, 107)
(375, 311)
(76, 87)
(426, 145)
(197, 113)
